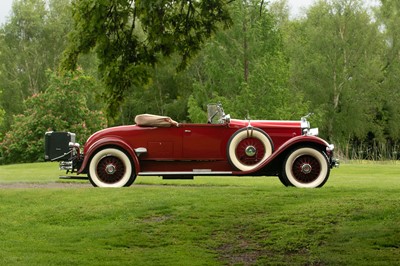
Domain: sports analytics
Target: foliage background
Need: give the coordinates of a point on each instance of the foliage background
(63, 106)
(340, 61)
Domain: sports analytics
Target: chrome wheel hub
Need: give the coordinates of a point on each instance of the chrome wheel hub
(306, 168)
(110, 169)
(250, 151)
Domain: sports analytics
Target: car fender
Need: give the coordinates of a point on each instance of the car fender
(107, 142)
(296, 141)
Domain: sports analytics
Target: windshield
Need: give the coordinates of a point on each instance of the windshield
(215, 113)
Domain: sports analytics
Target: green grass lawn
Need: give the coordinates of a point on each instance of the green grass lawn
(353, 220)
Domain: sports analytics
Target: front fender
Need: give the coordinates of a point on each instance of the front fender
(107, 142)
(296, 141)
(303, 139)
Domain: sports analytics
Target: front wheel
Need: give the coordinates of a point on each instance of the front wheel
(111, 167)
(305, 167)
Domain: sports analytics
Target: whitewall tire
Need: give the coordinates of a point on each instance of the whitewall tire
(111, 167)
(305, 167)
(248, 148)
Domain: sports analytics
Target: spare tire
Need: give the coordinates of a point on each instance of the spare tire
(248, 148)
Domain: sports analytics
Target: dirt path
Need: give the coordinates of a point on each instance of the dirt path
(44, 185)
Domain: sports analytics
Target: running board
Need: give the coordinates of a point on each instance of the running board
(192, 173)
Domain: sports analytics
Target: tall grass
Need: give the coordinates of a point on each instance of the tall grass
(353, 220)
(369, 150)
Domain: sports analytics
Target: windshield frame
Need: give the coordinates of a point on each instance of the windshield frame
(216, 114)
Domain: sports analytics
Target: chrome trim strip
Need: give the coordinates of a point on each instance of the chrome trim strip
(184, 173)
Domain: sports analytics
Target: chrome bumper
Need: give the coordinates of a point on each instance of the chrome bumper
(334, 162)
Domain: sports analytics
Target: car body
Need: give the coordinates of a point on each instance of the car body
(159, 146)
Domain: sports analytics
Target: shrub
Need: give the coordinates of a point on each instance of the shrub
(63, 106)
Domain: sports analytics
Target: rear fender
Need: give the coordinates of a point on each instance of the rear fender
(108, 142)
(287, 146)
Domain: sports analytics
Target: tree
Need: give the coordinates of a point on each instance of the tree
(31, 42)
(280, 9)
(63, 106)
(130, 35)
(2, 114)
(246, 69)
(389, 114)
(165, 93)
(336, 59)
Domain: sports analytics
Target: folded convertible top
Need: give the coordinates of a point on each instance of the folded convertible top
(148, 120)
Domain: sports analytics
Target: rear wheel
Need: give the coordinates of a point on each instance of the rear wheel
(111, 167)
(305, 167)
(248, 148)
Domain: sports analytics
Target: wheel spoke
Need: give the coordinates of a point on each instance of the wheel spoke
(110, 169)
(306, 169)
(247, 147)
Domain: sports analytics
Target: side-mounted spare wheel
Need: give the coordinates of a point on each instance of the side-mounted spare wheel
(305, 167)
(111, 167)
(248, 148)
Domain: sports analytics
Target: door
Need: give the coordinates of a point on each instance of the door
(204, 141)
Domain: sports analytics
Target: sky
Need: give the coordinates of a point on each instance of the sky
(295, 6)
(5, 9)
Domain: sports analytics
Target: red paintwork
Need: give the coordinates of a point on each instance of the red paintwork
(299, 140)
(192, 146)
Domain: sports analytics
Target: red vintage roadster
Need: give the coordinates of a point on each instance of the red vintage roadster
(159, 146)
